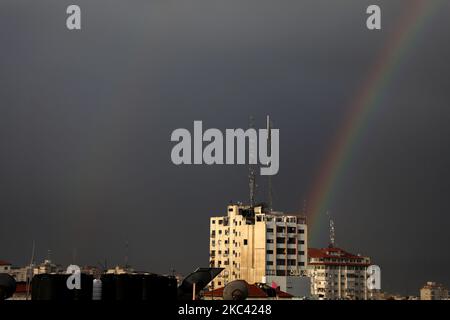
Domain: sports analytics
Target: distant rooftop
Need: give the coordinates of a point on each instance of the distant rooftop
(254, 292)
(334, 255)
(4, 263)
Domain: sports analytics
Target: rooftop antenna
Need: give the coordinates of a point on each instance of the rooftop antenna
(30, 271)
(332, 231)
(103, 265)
(251, 167)
(126, 254)
(269, 149)
(74, 255)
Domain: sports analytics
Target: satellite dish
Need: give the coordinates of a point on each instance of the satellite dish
(7, 286)
(200, 277)
(236, 290)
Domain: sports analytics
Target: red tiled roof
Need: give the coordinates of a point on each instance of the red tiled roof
(253, 292)
(21, 287)
(216, 292)
(4, 263)
(334, 253)
(282, 294)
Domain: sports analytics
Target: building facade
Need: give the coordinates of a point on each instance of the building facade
(433, 291)
(5, 266)
(253, 244)
(337, 274)
(48, 267)
(22, 274)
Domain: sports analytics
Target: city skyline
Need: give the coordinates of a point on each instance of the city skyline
(86, 118)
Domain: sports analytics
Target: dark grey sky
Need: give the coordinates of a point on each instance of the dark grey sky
(86, 118)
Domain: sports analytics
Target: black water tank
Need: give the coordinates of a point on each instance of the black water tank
(7, 286)
(54, 287)
(157, 287)
(138, 287)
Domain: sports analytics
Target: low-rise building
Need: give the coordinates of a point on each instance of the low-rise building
(21, 274)
(48, 267)
(433, 291)
(119, 270)
(337, 274)
(258, 291)
(5, 266)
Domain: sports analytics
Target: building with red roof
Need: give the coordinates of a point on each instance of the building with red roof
(255, 292)
(5, 266)
(338, 274)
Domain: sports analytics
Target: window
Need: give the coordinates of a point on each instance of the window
(291, 251)
(301, 231)
(280, 229)
(269, 263)
(213, 221)
(301, 253)
(280, 240)
(291, 240)
(269, 251)
(301, 241)
(301, 263)
(280, 262)
(269, 240)
(269, 230)
(258, 218)
(245, 242)
(291, 262)
(291, 230)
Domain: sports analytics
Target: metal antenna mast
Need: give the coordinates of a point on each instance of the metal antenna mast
(269, 150)
(30, 271)
(332, 231)
(126, 254)
(251, 167)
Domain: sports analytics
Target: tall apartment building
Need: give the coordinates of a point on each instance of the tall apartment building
(433, 291)
(337, 274)
(256, 245)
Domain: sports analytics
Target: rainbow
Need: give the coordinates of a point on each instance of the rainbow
(417, 13)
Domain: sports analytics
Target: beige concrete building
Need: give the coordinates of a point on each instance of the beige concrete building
(47, 267)
(5, 266)
(337, 274)
(253, 244)
(22, 274)
(433, 291)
